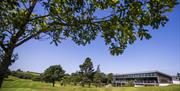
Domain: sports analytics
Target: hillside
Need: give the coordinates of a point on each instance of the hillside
(16, 84)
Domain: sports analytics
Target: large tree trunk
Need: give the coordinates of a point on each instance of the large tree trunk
(5, 62)
(53, 83)
(3, 73)
(1, 81)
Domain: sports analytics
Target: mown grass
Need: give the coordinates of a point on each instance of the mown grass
(15, 84)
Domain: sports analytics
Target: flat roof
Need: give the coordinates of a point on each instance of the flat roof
(144, 72)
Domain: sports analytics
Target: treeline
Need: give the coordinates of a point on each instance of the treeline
(26, 75)
(86, 76)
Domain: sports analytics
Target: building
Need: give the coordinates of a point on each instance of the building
(154, 78)
(176, 79)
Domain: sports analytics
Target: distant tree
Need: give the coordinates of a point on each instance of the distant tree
(130, 83)
(22, 74)
(19, 70)
(65, 80)
(124, 23)
(53, 73)
(104, 78)
(97, 77)
(37, 78)
(66, 74)
(86, 72)
(75, 78)
(109, 78)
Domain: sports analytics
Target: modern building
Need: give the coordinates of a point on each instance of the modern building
(176, 79)
(154, 78)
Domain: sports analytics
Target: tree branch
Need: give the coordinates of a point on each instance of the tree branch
(28, 38)
(2, 46)
(14, 39)
(24, 5)
(39, 17)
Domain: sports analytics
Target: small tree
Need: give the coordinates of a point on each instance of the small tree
(19, 70)
(65, 80)
(130, 83)
(104, 78)
(53, 73)
(109, 78)
(75, 78)
(97, 77)
(86, 71)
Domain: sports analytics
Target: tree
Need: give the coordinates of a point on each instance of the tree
(97, 77)
(125, 22)
(19, 70)
(109, 78)
(86, 71)
(76, 78)
(53, 73)
(65, 80)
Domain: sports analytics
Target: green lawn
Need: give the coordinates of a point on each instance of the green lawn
(15, 84)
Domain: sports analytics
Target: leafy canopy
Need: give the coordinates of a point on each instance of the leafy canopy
(125, 22)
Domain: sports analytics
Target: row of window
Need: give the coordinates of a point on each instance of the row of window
(137, 75)
(138, 81)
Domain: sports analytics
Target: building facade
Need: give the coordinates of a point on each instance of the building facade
(154, 78)
(176, 79)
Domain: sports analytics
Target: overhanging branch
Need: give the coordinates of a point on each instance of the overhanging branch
(39, 17)
(28, 38)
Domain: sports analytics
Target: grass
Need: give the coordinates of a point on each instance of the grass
(29, 73)
(15, 84)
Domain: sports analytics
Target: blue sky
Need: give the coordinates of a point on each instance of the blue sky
(161, 52)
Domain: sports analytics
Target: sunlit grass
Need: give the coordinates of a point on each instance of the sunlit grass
(15, 84)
